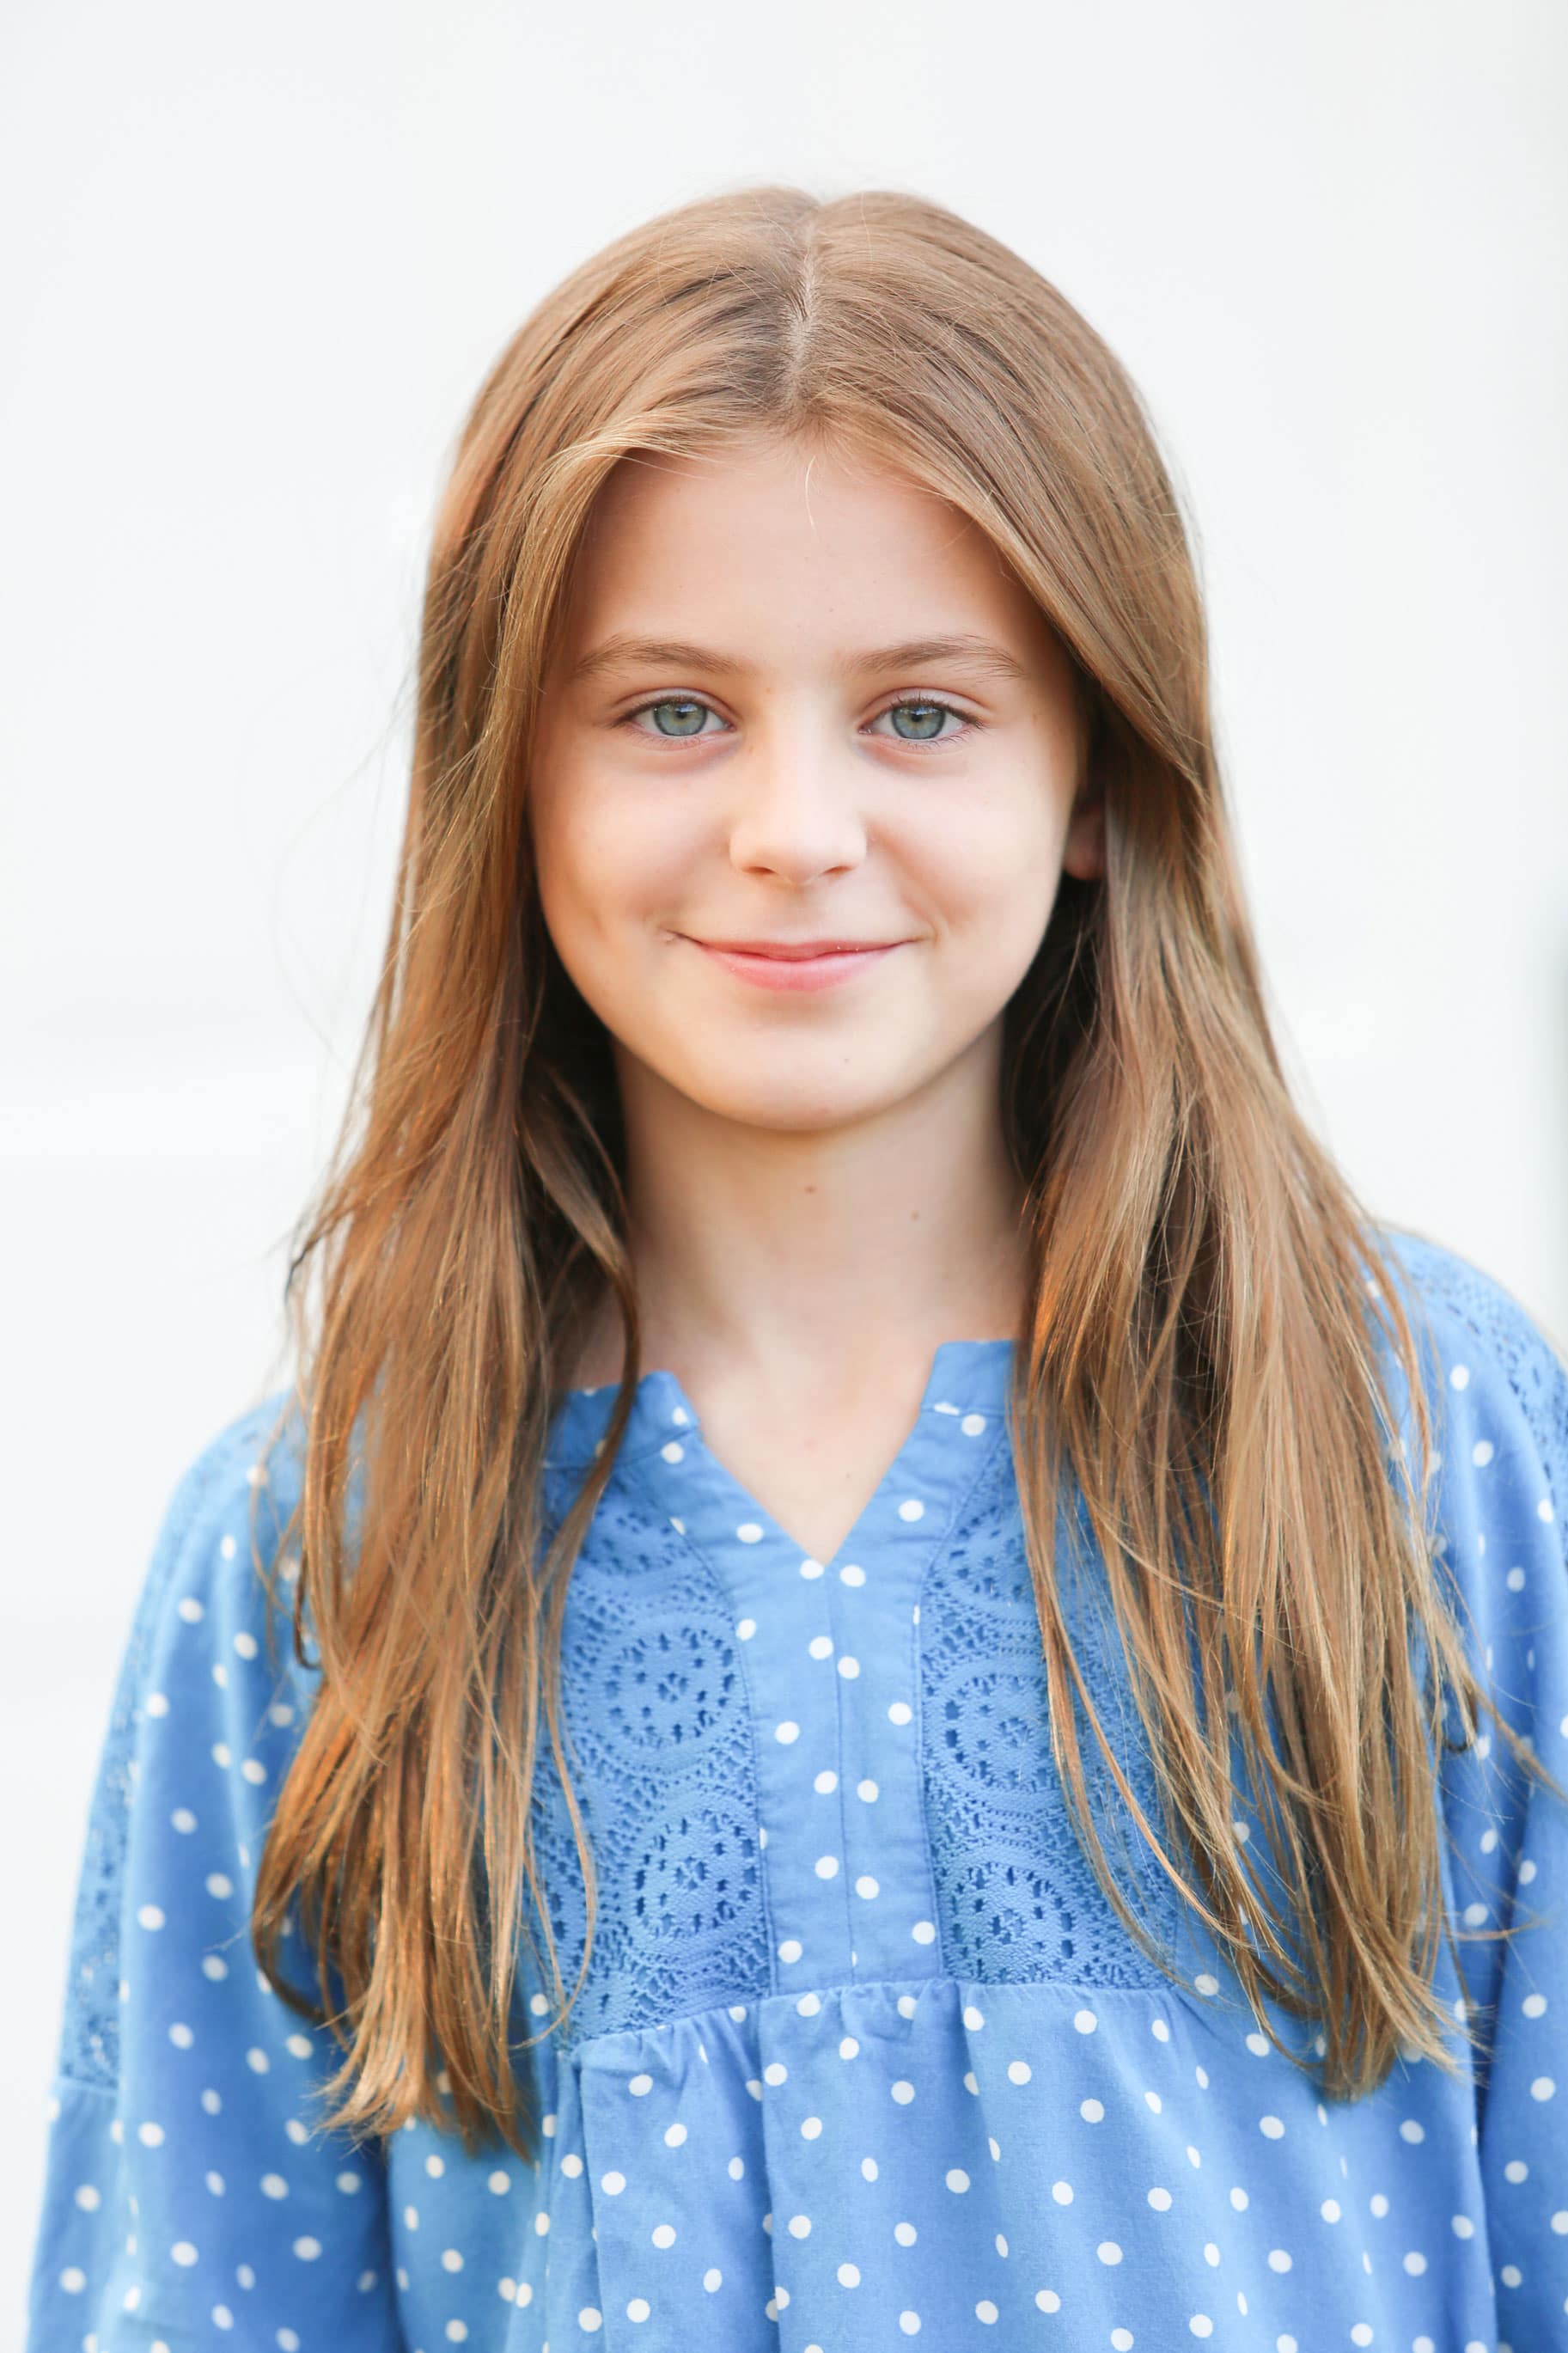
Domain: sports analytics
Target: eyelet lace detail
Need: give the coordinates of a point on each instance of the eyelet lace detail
(1017, 1895)
(664, 1775)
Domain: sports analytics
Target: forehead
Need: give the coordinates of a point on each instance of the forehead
(793, 549)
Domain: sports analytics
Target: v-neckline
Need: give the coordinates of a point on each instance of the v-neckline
(965, 1389)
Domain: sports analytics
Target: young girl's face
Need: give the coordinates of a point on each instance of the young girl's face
(748, 775)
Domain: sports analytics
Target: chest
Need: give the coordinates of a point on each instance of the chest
(803, 1771)
(814, 1474)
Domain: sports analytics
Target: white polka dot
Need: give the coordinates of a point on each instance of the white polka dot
(712, 2278)
(924, 1932)
(848, 1668)
(1062, 2192)
(745, 1629)
(903, 2092)
(590, 2318)
(957, 2179)
(1085, 2021)
(1019, 2071)
(810, 1570)
(848, 2275)
(640, 2084)
(786, 1731)
(612, 2184)
(867, 1792)
(1206, 1984)
(1160, 2200)
(852, 1573)
(901, 1712)
(1108, 2251)
(828, 1866)
(866, 1885)
(912, 1508)
(1092, 2111)
(150, 1916)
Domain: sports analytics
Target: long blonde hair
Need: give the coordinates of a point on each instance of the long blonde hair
(1198, 1347)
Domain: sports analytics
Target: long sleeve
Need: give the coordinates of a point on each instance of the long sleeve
(1503, 1393)
(191, 2199)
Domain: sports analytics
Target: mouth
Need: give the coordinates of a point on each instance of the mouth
(796, 963)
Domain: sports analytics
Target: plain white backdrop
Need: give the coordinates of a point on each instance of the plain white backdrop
(257, 263)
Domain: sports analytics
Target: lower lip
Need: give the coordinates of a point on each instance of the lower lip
(800, 973)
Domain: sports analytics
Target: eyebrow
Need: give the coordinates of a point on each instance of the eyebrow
(625, 651)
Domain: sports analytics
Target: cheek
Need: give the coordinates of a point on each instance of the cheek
(611, 869)
(992, 876)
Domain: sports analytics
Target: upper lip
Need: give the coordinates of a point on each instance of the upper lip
(795, 948)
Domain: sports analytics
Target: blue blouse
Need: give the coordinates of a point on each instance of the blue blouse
(864, 2054)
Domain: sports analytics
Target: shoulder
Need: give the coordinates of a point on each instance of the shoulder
(1494, 1374)
(223, 1526)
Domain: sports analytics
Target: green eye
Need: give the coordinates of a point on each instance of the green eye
(685, 704)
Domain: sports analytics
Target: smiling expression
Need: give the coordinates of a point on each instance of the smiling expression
(805, 780)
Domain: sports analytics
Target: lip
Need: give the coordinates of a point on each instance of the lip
(796, 963)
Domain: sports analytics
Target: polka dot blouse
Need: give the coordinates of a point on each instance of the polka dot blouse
(864, 2054)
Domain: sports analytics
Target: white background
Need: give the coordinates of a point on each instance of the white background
(257, 261)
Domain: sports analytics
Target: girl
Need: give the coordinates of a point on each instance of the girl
(890, 1588)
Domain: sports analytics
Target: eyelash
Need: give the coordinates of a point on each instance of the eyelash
(903, 703)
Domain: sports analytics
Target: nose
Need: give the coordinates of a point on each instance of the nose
(797, 810)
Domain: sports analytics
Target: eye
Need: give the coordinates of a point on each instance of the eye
(690, 712)
(690, 725)
(924, 706)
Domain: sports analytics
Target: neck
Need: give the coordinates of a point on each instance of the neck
(817, 1256)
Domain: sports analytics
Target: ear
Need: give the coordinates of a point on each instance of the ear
(1083, 852)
